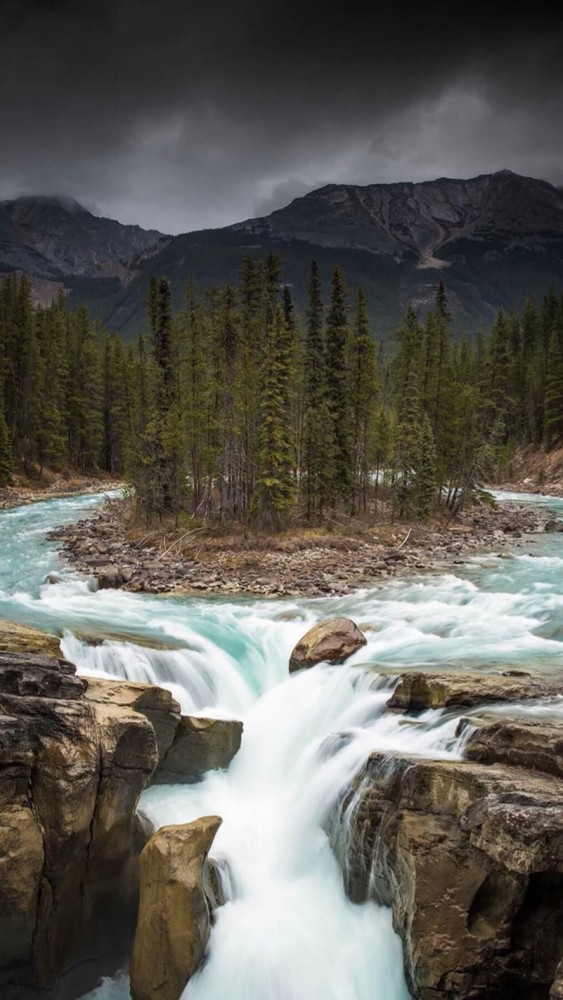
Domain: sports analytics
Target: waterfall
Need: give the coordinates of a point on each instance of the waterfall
(288, 930)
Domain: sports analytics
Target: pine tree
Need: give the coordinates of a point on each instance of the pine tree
(274, 492)
(364, 394)
(317, 446)
(408, 449)
(425, 471)
(554, 393)
(337, 388)
(5, 447)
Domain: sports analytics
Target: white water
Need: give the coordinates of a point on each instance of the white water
(288, 932)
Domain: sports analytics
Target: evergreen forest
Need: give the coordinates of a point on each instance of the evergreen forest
(238, 408)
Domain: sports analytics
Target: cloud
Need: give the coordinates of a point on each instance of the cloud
(179, 117)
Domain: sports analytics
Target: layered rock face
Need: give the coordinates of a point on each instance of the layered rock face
(16, 638)
(75, 754)
(71, 772)
(469, 854)
(199, 745)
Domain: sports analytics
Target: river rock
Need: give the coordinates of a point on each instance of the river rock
(470, 857)
(155, 703)
(109, 578)
(333, 640)
(417, 691)
(16, 638)
(554, 524)
(174, 917)
(199, 745)
(71, 772)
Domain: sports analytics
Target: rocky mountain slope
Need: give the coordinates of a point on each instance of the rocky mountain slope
(493, 239)
(51, 239)
(417, 222)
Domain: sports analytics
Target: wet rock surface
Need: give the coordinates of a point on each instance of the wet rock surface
(174, 918)
(536, 745)
(199, 745)
(468, 853)
(333, 640)
(71, 772)
(75, 754)
(16, 638)
(470, 857)
(418, 691)
(155, 703)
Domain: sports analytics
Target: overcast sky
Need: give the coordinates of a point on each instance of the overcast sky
(179, 115)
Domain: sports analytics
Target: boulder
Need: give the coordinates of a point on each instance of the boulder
(174, 917)
(554, 524)
(155, 703)
(333, 640)
(199, 745)
(417, 691)
(470, 857)
(16, 638)
(109, 577)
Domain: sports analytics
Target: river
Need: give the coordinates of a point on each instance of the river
(287, 931)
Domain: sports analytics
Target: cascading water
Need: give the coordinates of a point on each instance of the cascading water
(288, 932)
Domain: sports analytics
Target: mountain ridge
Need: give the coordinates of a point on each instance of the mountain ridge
(52, 237)
(494, 238)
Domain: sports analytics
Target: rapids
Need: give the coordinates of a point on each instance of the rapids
(287, 931)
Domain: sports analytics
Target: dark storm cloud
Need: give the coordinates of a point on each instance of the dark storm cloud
(180, 116)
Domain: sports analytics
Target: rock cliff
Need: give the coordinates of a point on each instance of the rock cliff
(469, 853)
(75, 754)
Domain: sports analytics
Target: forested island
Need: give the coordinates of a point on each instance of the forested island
(237, 408)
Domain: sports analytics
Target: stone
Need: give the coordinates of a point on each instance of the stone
(15, 638)
(553, 524)
(333, 640)
(470, 857)
(109, 577)
(529, 743)
(173, 924)
(155, 703)
(40, 676)
(199, 745)
(417, 691)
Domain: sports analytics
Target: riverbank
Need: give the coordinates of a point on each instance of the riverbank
(111, 546)
(23, 491)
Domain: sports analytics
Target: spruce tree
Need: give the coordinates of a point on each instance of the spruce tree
(553, 422)
(317, 446)
(425, 471)
(337, 389)
(364, 395)
(274, 492)
(5, 447)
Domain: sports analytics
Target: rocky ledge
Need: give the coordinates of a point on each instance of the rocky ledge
(468, 853)
(75, 754)
(104, 546)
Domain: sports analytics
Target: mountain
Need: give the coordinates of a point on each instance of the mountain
(493, 239)
(52, 239)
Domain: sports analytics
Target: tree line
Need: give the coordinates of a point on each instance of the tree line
(236, 407)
